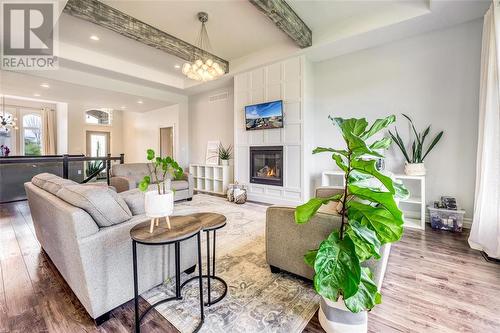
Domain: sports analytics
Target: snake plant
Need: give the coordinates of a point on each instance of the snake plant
(417, 147)
(369, 214)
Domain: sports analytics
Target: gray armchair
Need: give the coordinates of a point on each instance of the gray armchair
(125, 177)
(287, 241)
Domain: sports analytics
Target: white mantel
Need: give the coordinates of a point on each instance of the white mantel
(283, 80)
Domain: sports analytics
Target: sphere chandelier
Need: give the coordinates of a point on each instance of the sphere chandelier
(203, 67)
(7, 121)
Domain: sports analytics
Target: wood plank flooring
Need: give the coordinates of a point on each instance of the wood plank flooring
(434, 283)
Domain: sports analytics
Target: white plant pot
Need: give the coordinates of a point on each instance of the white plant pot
(159, 205)
(335, 317)
(224, 162)
(414, 169)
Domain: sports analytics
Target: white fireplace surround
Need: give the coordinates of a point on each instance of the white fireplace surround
(279, 81)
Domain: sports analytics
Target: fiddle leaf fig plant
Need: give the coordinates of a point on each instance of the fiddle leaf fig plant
(160, 166)
(370, 217)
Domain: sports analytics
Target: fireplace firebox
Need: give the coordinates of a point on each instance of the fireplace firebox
(266, 165)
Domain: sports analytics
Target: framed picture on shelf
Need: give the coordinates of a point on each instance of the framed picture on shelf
(212, 156)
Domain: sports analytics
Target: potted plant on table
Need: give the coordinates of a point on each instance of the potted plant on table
(225, 154)
(370, 218)
(414, 166)
(159, 202)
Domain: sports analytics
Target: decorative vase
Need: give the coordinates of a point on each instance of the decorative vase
(158, 206)
(414, 169)
(224, 162)
(335, 317)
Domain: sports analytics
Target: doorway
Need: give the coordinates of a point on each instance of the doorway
(167, 141)
(97, 146)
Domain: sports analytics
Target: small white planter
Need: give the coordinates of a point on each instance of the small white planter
(414, 169)
(335, 317)
(224, 162)
(159, 205)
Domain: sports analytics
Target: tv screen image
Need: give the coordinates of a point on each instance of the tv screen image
(264, 115)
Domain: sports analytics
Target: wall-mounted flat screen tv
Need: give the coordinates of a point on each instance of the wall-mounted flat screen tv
(264, 116)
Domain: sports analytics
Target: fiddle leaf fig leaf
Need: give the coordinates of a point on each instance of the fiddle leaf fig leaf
(337, 268)
(150, 154)
(387, 228)
(310, 257)
(386, 199)
(381, 144)
(318, 150)
(368, 167)
(340, 163)
(367, 295)
(303, 213)
(365, 241)
(352, 125)
(378, 125)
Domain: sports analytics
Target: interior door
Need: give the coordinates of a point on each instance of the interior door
(167, 141)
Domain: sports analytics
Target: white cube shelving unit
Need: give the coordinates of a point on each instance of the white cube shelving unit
(337, 179)
(211, 178)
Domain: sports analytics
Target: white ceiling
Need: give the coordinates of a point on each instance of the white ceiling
(25, 85)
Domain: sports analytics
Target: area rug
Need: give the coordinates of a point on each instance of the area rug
(257, 300)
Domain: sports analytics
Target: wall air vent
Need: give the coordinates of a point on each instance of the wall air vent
(218, 97)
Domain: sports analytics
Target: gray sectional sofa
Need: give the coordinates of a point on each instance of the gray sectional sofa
(127, 176)
(84, 229)
(287, 241)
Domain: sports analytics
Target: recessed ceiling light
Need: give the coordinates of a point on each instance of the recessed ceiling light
(140, 101)
(94, 37)
(177, 66)
(37, 95)
(45, 85)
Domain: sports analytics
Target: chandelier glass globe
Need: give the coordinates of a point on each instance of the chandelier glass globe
(202, 68)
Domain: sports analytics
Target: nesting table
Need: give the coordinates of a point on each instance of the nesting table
(182, 228)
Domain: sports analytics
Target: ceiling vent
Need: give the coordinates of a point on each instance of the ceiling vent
(218, 97)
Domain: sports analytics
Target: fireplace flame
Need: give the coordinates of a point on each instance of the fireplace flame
(271, 172)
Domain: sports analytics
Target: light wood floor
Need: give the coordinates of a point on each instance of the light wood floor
(434, 283)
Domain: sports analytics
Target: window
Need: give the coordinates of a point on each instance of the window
(32, 134)
(98, 116)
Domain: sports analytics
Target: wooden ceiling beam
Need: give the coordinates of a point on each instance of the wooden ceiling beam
(286, 19)
(110, 18)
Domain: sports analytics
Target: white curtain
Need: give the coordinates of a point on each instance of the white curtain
(49, 131)
(485, 233)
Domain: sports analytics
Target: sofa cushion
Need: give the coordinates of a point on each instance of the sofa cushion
(50, 182)
(179, 185)
(104, 205)
(135, 200)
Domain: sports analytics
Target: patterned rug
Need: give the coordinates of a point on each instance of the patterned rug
(257, 300)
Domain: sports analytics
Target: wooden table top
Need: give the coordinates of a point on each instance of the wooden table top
(182, 227)
(210, 221)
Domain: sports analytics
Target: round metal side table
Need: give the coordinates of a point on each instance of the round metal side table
(210, 222)
(182, 228)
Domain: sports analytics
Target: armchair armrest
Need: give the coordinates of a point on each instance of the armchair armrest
(122, 184)
(327, 191)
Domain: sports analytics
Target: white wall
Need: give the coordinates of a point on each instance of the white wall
(77, 130)
(142, 131)
(209, 121)
(434, 78)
